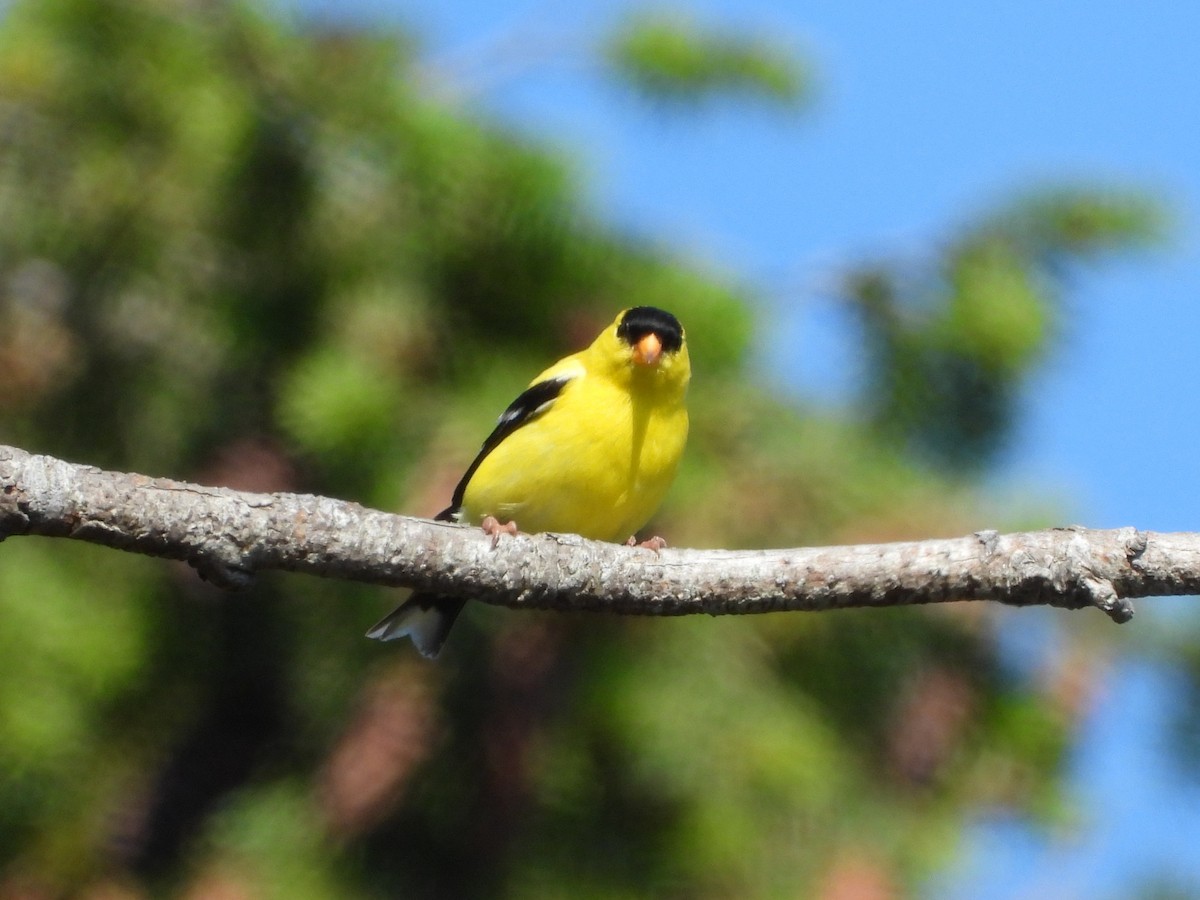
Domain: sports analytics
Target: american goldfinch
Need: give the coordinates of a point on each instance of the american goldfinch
(589, 448)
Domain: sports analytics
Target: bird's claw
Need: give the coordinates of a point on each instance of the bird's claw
(493, 528)
(655, 543)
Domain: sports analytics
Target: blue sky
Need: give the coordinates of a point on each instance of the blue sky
(927, 114)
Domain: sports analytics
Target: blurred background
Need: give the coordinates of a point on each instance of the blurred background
(938, 270)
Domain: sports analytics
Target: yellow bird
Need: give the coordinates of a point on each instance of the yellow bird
(589, 448)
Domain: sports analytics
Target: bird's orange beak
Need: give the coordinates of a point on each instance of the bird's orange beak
(647, 351)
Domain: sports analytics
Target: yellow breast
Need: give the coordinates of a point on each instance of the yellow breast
(597, 463)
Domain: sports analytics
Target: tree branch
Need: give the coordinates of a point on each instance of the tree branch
(230, 536)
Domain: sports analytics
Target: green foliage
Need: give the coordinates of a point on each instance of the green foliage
(239, 252)
(271, 841)
(67, 652)
(668, 57)
(953, 337)
(1080, 222)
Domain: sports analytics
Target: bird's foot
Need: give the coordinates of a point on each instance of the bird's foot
(655, 543)
(493, 528)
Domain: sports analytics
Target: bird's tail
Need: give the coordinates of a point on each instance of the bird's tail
(426, 618)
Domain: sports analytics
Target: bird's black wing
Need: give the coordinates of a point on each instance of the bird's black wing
(427, 618)
(533, 401)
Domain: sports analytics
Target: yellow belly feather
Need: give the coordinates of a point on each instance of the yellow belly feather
(598, 467)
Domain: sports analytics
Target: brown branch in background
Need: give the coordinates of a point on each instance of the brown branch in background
(230, 536)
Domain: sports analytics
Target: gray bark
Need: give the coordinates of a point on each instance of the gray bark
(231, 536)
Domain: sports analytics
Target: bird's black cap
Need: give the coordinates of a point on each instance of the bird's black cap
(643, 320)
